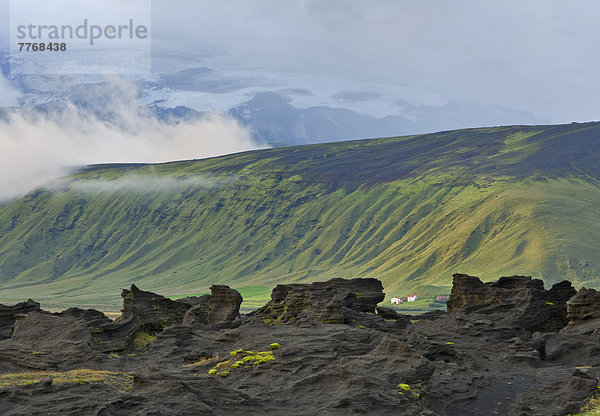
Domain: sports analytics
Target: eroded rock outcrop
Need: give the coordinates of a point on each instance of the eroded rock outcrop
(67, 330)
(583, 312)
(220, 309)
(336, 301)
(584, 305)
(150, 309)
(484, 357)
(143, 313)
(149, 313)
(520, 301)
(8, 315)
(197, 315)
(224, 304)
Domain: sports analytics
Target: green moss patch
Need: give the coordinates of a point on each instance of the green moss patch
(243, 359)
(407, 389)
(116, 380)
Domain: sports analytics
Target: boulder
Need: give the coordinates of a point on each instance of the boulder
(470, 292)
(8, 315)
(520, 301)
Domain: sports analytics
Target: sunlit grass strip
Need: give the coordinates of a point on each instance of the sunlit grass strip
(117, 380)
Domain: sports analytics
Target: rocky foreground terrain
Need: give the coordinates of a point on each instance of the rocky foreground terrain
(504, 348)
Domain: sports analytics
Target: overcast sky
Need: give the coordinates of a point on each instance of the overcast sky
(536, 55)
(379, 57)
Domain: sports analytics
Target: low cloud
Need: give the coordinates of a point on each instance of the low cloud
(138, 183)
(110, 127)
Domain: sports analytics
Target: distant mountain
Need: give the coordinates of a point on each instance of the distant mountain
(408, 210)
(274, 120)
(183, 88)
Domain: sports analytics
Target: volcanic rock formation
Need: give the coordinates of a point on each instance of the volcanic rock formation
(8, 315)
(509, 347)
(521, 301)
(325, 302)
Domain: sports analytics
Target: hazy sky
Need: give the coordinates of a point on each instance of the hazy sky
(539, 56)
(536, 55)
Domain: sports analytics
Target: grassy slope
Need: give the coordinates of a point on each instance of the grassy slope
(410, 211)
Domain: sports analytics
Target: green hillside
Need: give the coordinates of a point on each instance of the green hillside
(410, 211)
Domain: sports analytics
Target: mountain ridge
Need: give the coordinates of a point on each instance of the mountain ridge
(407, 210)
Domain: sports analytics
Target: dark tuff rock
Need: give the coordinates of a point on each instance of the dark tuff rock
(560, 398)
(149, 309)
(336, 301)
(224, 304)
(65, 331)
(388, 313)
(149, 313)
(197, 315)
(583, 310)
(8, 315)
(143, 312)
(478, 359)
(584, 305)
(220, 309)
(520, 301)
